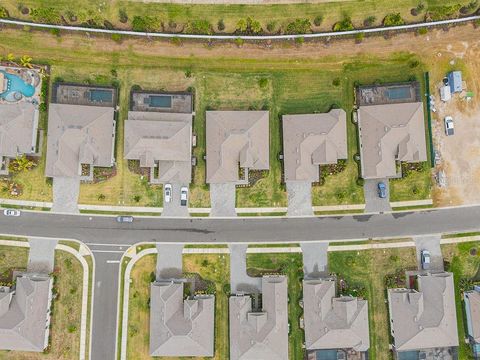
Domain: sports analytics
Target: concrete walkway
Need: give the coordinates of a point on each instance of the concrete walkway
(41, 256)
(240, 282)
(169, 261)
(85, 286)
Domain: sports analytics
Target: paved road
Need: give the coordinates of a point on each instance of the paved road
(108, 240)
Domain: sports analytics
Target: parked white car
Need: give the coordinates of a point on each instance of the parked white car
(167, 193)
(183, 196)
(449, 127)
(11, 212)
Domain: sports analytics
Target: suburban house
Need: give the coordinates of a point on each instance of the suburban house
(423, 322)
(158, 133)
(81, 130)
(391, 126)
(260, 334)
(25, 313)
(335, 327)
(311, 140)
(472, 311)
(19, 114)
(180, 327)
(236, 140)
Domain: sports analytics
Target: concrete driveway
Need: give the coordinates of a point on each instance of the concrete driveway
(299, 198)
(169, 261)
(240, 282)
(65, 194)
(173, 208)
(222, 199)
(432, 244)
(315, 259)
(373, 203)
(41, 256)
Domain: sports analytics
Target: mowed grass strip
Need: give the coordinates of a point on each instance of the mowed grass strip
(211, 267)
(66, 307)
(272, 18)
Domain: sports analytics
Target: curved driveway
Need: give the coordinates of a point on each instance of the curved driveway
(108, 240)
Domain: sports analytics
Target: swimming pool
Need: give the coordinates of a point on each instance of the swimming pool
(104, 96)
(163, 101)
(399, 93)
(15, 87)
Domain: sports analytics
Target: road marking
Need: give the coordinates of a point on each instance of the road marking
(113, 261)
(108, 251)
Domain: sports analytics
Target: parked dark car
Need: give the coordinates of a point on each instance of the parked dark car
(382, 190)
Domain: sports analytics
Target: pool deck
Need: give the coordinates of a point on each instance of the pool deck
(181, 102)
(29, 77)
(408, 92)
(78, 94)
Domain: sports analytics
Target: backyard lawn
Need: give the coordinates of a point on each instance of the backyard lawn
(66, 309)
(224, 18)
(290, 265)
(210, 267)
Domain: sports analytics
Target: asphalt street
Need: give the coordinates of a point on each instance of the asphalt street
(109, 239)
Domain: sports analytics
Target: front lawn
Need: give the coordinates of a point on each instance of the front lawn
(211, 267)
(66, 307)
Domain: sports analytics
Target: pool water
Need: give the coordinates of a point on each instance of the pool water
(164, 101)
(399, 93)
(101, 95)
(15, 85)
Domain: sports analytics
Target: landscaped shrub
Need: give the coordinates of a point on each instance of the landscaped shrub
(71, 16)
(146, 23)
(393, 20)
(3, 12)
(263, 83)
(55, 32)
(443, 12)
(249, 26)
(25, 10)
(318, 20)
(299, 40)
(417, 10)
(271, 26)
(46, 15)
(199, 27)
(108, 25)
(239, 42)
(422, 31)
(344, 25)
(299, 26)
(359, 37)
(471, 7)
(117, 38)
(220, 25)
(122, 16)
(369, 21)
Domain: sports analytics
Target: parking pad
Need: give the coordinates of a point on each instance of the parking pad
(299, 198)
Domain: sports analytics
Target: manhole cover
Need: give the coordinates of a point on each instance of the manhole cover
(473, 251)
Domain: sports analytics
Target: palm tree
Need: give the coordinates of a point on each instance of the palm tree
(10, 57)
(26, 61)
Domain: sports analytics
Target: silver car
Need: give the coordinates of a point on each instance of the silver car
(11, 212)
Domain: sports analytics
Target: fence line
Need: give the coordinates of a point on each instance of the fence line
(244, 37)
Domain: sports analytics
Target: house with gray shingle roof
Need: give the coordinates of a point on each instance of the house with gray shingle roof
(311, 140)
(79, 135)
(161, 140)
(25, 313)
(180, 327)
(18, 131)
(472, 312)
(236, 139)
(424, 320)
(334, 323)
(390, 133)
(260, 334)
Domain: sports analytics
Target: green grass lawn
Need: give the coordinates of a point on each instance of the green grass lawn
(66, 313)
(273, 18)
(282, 86)
(211, 267)
(290, 265)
